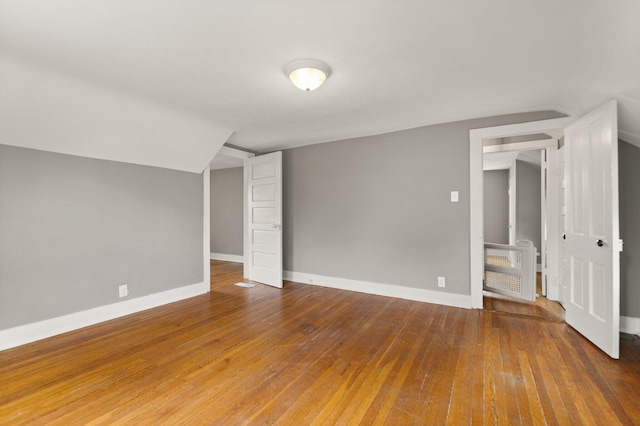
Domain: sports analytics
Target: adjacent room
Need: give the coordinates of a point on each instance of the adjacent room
(286, 212)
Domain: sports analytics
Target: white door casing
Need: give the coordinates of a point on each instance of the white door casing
(543, 215)
(553, 225)
(513, 205)
(263, 219)
(592, 245)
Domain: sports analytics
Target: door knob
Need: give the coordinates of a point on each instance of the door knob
(564, 236)
(600, 243)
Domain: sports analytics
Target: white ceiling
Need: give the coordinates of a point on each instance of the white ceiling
(217, 65)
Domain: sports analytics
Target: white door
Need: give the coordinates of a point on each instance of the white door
(592, 245)
(263, 219)
(564, 269)
(544, 171)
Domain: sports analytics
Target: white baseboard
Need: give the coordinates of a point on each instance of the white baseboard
(227, 257)
(28, 333)
(402, 292)
(630, 325)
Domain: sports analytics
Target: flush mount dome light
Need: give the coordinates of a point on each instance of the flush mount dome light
(307, 74)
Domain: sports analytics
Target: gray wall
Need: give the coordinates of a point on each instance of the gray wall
(629, 175)
(496, 206)
(528, 216)
(227, 189)
(377, 208)
(72, 229)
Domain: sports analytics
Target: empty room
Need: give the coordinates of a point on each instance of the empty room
(319, 212)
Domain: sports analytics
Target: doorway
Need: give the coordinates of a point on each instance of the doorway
(591, 245)
(243, 219)
(534, 186)
(224, 223)
(553, 128)
(515, 212)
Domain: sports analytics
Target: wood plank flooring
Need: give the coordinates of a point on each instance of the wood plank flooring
(308, 355)
(542, 308)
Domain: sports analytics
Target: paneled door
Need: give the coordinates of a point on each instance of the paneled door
(263, 219)
(592, 245)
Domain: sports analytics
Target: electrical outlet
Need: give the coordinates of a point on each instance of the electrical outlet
(123, 290)
(441, 282)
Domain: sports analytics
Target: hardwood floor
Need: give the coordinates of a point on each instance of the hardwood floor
(542, 308)
(309, 355)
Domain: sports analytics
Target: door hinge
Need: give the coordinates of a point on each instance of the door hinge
(620, 244)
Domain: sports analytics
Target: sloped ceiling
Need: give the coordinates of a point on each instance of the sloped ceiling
(51, 112)
(166, 82)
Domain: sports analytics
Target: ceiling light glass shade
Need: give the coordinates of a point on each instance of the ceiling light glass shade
(307, 74)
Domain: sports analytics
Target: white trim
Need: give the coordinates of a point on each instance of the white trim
(545, 206)
(402, 292)
(227, 257)
(553, 222)
(245, 218)
(513, 205)
(532, 127)
(476, 231)
(629, 137)
(28, 333)
(235, 153)
(630, 325)
(206, 229)
(520, 146)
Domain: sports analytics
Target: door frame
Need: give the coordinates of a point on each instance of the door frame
(225, 151)
(476, 191)
(513, 205)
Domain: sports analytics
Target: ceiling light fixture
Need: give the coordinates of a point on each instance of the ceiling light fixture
(307, 74)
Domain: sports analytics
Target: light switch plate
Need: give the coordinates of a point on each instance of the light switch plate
(123, 290)
(454, 196)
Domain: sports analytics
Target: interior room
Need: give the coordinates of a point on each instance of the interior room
(285, 212)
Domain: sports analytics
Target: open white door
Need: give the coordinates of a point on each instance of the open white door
(543, 222)
(263, 219)
(564, 270)
(592, 245)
